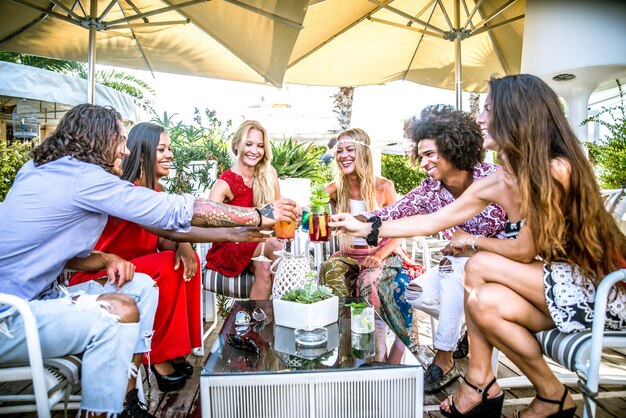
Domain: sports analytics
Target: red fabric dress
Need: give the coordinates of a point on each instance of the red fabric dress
(177, 320)
(228, 258)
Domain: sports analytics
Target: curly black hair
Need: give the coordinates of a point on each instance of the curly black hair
(86, 132)
(456, 134)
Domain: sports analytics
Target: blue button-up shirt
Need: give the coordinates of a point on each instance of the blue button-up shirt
(57, 211)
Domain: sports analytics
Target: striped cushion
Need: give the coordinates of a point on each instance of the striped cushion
(571, 350)
(235, 287)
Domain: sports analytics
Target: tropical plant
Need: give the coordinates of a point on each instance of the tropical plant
(398, 169)
(610, 153)
(297, 159)
(12, 158)
(140, 91)
(196, 142)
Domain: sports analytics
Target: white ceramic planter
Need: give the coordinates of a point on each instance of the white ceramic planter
(306, 316)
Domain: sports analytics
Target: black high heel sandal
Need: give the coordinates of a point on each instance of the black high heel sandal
(561, 413)
(183, 367)
(487, 408)
(170, 382)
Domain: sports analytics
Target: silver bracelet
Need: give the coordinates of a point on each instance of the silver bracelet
(474, 242)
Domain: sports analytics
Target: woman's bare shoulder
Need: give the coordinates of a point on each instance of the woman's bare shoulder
(383, 183)
(561, 170)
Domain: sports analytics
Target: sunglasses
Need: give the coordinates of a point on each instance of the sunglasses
(244, 322)
(243, 343)
(243, 317)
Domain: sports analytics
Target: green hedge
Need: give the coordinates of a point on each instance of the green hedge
(12, 158)
(398, 169)
(610, 153)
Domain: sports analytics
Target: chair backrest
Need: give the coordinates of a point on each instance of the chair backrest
(612, 198)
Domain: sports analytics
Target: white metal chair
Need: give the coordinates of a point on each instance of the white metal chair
(581, 352)
(427, 246)
(53, 379)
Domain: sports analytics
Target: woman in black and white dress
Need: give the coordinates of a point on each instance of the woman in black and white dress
(547, 276)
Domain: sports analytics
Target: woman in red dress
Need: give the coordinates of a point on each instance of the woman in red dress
(252, 181)
(177, 326)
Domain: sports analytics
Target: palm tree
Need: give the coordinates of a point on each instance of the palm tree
(343, 107)
(141, 92)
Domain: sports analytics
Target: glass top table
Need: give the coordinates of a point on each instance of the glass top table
(279, 352)
(258, 370)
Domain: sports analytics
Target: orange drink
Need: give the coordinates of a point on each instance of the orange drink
(285, 229)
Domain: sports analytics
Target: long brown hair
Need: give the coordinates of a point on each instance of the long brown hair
(87, 132)
(528, 124)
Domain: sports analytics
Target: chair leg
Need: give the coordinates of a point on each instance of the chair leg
(215, 314)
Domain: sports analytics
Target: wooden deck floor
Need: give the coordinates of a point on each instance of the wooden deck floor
(186, 403)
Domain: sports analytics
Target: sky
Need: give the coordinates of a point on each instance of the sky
(379, 110)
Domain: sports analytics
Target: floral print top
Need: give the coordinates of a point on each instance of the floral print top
(431, 196)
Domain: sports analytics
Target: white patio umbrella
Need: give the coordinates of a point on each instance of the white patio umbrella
(452, 44)
(241, 40)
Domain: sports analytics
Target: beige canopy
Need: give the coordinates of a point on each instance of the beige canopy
(361, 42)
(242, 40)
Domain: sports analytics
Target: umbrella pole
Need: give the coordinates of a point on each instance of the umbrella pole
(91, 54)
(458, 88)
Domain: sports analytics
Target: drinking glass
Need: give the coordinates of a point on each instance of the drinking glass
(362, 320)
(261, 256)
(285, 232)
(319, 230)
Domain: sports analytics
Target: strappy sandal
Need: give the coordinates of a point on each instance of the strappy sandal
(487, 408)
(561, 413)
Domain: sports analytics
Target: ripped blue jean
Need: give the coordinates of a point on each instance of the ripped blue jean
(107, 345)
(146, 295)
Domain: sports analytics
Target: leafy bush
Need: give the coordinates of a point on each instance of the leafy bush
(12, 158)
(398, 169)
(196, 142)
(610, 153)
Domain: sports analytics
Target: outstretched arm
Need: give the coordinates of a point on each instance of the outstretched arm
(208, 213)
(469, 204)
(197, 234)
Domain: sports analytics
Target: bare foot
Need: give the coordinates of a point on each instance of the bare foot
(466, 398)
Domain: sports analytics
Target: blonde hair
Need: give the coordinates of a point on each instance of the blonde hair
(364, 170)
(264, 180)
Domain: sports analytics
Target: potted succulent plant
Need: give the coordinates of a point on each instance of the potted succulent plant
(308, 307)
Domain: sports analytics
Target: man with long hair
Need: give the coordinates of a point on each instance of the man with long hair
(53, 217)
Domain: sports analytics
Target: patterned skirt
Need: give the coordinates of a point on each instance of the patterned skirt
(383, 287)
(571, 299)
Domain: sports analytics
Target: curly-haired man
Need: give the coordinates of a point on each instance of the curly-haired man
(447, 143)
